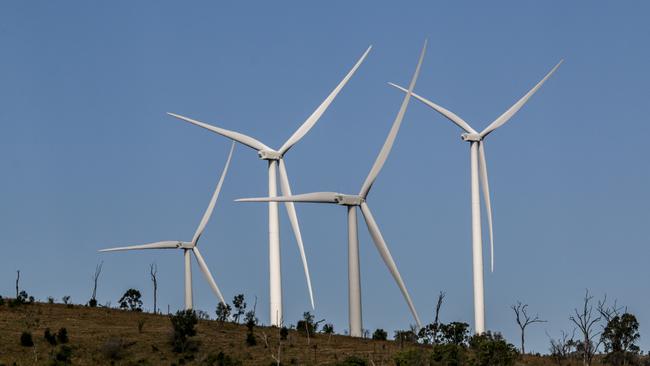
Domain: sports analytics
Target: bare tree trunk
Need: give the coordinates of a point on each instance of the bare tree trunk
(523, 320)
(17, 279)
(98, 271)
(153, 270)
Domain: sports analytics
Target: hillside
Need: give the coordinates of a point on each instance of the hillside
(99, 336)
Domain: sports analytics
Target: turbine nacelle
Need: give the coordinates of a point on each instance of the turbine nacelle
(471, 137)
(348, 200)
(269, 155)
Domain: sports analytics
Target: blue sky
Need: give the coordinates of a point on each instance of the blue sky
(90, 160)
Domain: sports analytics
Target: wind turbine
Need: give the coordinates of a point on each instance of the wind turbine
(191, 246)
(478, 168)
(359, 200)
(275, 160)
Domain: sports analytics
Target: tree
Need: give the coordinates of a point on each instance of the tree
(93, 299)
(183, 323)
(429, 333)
(619, 338)
(490, 349)
(524, 320)
(223, 312)
(17, 280)
(153, 271)
(585, 320)
(561, 348)
(131, 300)
(240, 307)
(380, 335)
(454, 333)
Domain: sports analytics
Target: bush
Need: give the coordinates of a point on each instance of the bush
(114, 349)
(66, 299)
(2, 301)
(411, 357)
(49, 337)
(448, 355)
(26, 339)
(307, 324)
(492, 350)
(223, 312)
(380, 335)
(62, 357)
(183, 324)
(250, 339)
(92, 302)
(62, 336)
(284, 332)
(352, 361)
(220, 359)
(131, 300)
(50, 300)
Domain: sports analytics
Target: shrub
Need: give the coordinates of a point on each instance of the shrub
(2, 301)
(284, 332)
(251, 322)
(307, 325)
(183, 324)
(352, 361)
(131, 300)
(49, 337)
(66, 299)
(221, 359)
(250, 339)
(26, 339)
(202, 315)
(380, 335)
(114, 349)
(223, 312)
(492, 350)
(62, 357)
(62, 335)
(50, 300)
(448, 355)
(92, 302)
(411, 357)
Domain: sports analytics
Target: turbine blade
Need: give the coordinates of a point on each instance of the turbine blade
(293, 218)
(378, 239)
(213, 200)
(207, 274)
(239, 137)
(156, 245)
(316, 197)
(483, 174)
(311, 121)
(445, 112)
(390, 139)
(512, 110)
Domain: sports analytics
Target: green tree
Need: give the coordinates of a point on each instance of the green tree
(183, 323)
(131, 300)
(619, 338)
(490, 349)
(223, 312)
(380, 335)
(240, 307)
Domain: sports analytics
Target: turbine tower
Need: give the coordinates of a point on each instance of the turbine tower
(479, 176)
(351, 202)
(275, 159)
(191, 247)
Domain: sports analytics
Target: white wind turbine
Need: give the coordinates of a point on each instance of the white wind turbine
(275, 160)
(359, 200)
(190, 246)
(479, 171)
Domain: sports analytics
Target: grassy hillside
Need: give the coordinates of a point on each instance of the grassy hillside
(99, 336)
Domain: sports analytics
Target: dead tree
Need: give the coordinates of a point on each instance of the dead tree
(153, 271)
(524, 320)
(98, 271)
(441, 298)
(586, 320)
(609, 312)
(17, 279)
(561, 348)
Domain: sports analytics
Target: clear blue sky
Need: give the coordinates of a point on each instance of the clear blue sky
(90, 160)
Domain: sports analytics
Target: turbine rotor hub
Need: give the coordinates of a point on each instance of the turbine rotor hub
(348, 200)
(472, 137)
(269, 155)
